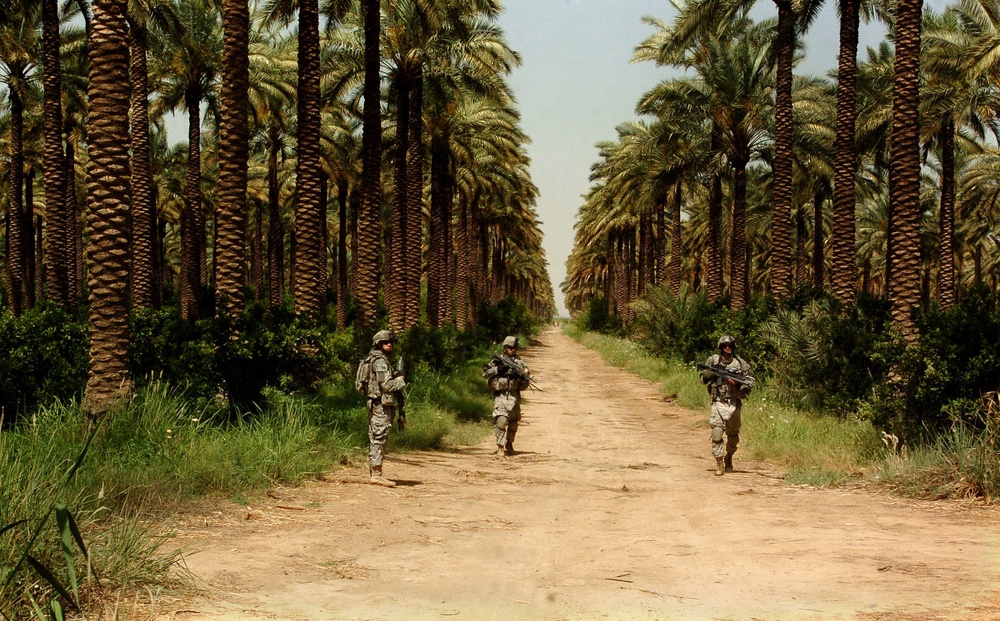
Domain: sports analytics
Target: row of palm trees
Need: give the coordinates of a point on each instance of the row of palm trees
(743, 176)
(361, 151)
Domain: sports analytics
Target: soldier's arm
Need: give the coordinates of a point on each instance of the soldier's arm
(707, 375)
(385, 376)
(490, 370)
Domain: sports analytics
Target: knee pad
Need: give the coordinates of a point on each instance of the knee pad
(717, 435)
(500, 422)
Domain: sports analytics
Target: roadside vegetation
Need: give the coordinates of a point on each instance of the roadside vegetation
(182, 442)
(841, 399)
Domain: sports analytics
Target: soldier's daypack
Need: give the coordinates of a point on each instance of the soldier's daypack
(363, 376)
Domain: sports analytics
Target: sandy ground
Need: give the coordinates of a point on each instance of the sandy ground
(609, 510)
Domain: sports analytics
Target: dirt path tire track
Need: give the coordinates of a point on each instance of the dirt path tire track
(609, 510)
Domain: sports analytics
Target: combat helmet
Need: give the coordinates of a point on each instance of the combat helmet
(727, 340)
(383, 336)
(510, 341)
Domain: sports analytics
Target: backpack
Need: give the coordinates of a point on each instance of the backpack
(363, 376)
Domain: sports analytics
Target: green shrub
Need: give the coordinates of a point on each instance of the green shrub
(829, 360)
(275, 347)
(597, 317)
(43, 357)
(681, 327)
(951, 366)
(508, 316)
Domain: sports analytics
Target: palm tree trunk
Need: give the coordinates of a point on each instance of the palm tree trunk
(946, 276)
(143, 208)
(275, 228)
(234, 151)
(15, 207)
(781, 237)
(343, 194)
(715, 273)
(844, 272)
(258, 279)
(108, 195)
(395, 289)
(819, 275)
(309, 278)
(646, 267)
(74, 230)
(462, 271)
(738, 263)
(675, 241)
(32, 272)
(904, 171)
(436, 259)
(660, 242)
(414, 201)
(352, 280)
(55, 168)
(800, 247)
(366, 261)
(193, 219)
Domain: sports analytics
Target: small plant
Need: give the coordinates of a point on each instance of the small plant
(68, 534)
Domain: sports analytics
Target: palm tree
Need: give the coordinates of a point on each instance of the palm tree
(904, 171)
(147, 20)
(234, 154)
(54, 171)
(188, 71)
(844, 264)
(108, 203)
(369, 230)
(310, 252)
(16, 43)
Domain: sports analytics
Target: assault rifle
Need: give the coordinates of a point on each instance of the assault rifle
(722, 374)
(400, 398)
(507, 366)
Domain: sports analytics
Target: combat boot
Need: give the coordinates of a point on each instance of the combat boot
(378, 479)
(509, 448)
(501, 451)
(720, 466)
(729, 463)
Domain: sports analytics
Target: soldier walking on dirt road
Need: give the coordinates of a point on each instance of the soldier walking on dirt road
(382, 388)
(729, 380)
(507, 376)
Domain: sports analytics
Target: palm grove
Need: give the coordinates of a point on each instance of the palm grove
(770, 193)
(357, 162)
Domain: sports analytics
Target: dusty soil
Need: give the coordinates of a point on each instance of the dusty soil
(609, 510)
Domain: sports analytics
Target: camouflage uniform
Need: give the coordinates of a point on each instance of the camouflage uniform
(506, 398)
(381, 401)
(727, 402)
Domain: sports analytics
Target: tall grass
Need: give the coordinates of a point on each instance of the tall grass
(162, 450)
(826, 450)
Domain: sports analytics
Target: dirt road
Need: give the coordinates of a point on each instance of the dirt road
(609, 510)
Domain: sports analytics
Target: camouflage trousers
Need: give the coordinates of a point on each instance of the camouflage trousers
(506, 414)
(379, 422)
(725, 421)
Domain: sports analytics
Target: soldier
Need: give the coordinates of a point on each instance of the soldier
(507, 386)
(727, 401)
(382, 387)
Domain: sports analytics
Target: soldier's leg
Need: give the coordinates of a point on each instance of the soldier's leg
(378, 433)
(513, 418)
(718, 433)
(732, 437)
(500, 424)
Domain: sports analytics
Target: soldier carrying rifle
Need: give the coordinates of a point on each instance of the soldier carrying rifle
(507, 376)
(729, 380)
(383, 391)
